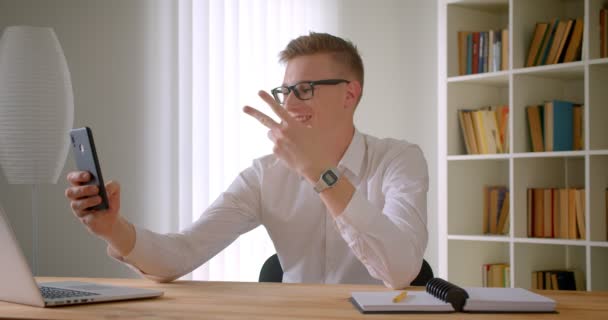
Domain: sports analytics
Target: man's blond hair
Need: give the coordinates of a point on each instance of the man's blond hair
(342, 51)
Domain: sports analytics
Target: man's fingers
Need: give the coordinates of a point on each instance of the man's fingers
(112, 187)
(80, 206)
(77, 178)
(81, 191)
(277, 108)
(267, 121)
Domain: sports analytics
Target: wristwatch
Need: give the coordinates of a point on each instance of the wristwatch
(328, 179)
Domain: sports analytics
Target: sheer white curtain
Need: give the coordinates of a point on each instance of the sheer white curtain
(227, 52)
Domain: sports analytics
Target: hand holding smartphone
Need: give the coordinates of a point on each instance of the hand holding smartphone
(86, 158)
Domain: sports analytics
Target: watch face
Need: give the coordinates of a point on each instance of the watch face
(330, 178)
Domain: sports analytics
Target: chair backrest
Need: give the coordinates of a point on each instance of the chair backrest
(272, 272)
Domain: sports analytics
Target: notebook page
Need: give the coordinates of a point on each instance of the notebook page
(415, 301)
(507, 299)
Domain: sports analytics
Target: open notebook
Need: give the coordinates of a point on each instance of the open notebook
(443, 296)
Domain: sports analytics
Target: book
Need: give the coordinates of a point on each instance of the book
(505, 49)
(530, 211)
(580, 213)
(462, 52)
(560, 34)
(563, 213)
(577, 127)
(503, 220)
(534, 115)
(544, 51)
(573, 52)
(470, 131)
(559, 120)
(480, 131)
(502, 118)
(539, 210)
(475, 59)
(463, 129)
(561, 52)
(535, 43)
(572, 213)
(603, 33)
(469, 53)
(443, 296)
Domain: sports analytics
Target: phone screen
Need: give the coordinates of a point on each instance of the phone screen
(85, 155)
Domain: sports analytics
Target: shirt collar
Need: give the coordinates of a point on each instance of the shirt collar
(353, 157)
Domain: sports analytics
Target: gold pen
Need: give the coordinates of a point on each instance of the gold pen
(400, 297)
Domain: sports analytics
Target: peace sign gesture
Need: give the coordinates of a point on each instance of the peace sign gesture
(300, 147)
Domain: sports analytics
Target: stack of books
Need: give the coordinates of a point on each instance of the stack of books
(556, 42)
(486, 51)
(496, 275)
(555, 280)
(485, 130)
(556, 126)
(495, 210)
(556, 213)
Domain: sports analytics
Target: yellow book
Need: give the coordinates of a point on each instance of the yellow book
(580, 212)
(465, 137)
(503, 220)
(480, 130)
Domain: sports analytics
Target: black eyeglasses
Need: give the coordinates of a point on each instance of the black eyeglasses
(304, 90)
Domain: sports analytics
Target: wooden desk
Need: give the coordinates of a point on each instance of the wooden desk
(240, 300)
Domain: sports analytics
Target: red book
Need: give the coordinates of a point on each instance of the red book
(475, 52)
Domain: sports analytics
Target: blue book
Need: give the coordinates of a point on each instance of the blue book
(563, 129)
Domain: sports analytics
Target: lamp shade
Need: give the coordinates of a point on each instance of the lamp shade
(36, 105)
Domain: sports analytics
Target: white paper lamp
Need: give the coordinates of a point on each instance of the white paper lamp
(36, 105)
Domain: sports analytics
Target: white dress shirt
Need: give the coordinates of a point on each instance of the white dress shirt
(380, 237)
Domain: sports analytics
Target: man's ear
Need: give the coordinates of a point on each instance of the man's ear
(353, 92)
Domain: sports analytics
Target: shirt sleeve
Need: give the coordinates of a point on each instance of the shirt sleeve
(390, 242)
(166, 257)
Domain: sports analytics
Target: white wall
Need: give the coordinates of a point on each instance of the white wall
(122, 56)
(398, 43)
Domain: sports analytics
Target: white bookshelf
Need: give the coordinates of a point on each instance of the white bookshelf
(462, 246)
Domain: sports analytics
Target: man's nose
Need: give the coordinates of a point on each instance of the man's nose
(291, 100)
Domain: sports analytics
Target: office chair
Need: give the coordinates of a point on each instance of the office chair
(272, 272)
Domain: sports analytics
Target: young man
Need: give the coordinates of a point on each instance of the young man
(339, 205)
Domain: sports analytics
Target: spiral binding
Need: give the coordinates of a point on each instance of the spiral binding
(447, 292)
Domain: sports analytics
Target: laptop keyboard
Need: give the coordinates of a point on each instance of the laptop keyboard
(56, 293)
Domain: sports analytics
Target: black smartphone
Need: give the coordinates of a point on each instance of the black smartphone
(86, 158)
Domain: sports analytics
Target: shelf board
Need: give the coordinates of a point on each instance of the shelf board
(494, 156)
(599, 244)
(598, 152)
(494, 238)
(551, 241)
(603, 61)
(500, 78)
(525, 155)
(553, 154)
(564, 71)
(499, 238)
(483, 5)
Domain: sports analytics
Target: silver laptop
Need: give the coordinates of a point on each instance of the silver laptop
(17, 284)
